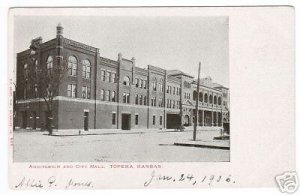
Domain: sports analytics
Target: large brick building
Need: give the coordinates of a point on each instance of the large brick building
(100, 93)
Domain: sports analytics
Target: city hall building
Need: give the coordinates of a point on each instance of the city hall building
(101, 93)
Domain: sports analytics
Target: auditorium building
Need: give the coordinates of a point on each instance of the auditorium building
(102, 93)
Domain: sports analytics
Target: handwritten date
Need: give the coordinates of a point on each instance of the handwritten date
(209, 180)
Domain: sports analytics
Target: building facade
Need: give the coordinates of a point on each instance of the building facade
(101, 93)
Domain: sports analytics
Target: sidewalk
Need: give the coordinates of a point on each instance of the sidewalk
(206, 133)
(206, 139)
(220, 144)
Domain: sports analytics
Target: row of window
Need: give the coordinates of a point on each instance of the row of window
(108, 76)
(187, 96)
(141, 100)
(107, 95)
(27, 89)
(173, 90)
(136, 119)
(173, 104)
(73, 67)
(140, 83)
(210, 99)
(72, 91)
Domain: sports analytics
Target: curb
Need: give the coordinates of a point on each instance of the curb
(203, 146)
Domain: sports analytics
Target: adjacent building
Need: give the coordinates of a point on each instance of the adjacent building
(101, 93)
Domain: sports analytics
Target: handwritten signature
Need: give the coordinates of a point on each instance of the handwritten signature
(50, 183)
(209, 180)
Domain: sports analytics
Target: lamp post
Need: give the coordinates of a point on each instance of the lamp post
(197, 99)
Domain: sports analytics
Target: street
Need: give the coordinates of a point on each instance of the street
(131, 146)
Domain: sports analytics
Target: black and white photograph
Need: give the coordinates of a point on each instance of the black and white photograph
(151, 97)
(121, 89)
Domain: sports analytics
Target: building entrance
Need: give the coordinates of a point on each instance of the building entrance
(34, 120)
(24, 119)
(86, 121)
(173, 121)
(125, 121)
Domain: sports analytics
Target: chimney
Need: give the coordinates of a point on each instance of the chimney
(59, 30)
(119, 57)
(133, 70)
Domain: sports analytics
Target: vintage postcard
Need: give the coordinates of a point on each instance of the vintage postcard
(157, 97)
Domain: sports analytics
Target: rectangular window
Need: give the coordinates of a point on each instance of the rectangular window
(124, 97)
(141, 100)
(160, 120)
(160, 102)
(141, 83)
(35, 91)
(103, 75)
(25, 92)
(113, 119)
(113, 77)
(88, 93)
(136, 99)
(153, 119)
(71, 91)
(161, 88)
(109, 76)
(113, 96)
(144, 84)
(107, 95)
(74, 91)
(154, 85)
(102, 94)
(83, 89)
(136, 119)
(174, 91)
(128, 98)
(136, 82)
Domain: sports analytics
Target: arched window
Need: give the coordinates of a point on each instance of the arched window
(210, 99)
(194, 95)
(205, 98)
(220, 101)
(49, 64)
(126, 80)
(86, 69)
(72, 66)
(201, 97)
(215, 99)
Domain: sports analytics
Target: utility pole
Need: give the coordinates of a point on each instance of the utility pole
(197, 99)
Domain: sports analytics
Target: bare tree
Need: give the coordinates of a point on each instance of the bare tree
(46, 78)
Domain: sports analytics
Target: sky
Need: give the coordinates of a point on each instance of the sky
(179, 42)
